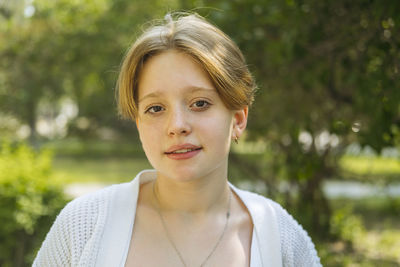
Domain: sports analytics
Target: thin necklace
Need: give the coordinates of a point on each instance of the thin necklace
(228, 213)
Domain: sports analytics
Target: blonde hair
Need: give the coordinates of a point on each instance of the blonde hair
(205, 43)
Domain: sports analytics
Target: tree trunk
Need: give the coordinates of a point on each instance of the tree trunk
(31, 119)
(20, 249)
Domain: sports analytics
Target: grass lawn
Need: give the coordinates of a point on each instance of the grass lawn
(97, 170)
(95, 161)
(371, 169)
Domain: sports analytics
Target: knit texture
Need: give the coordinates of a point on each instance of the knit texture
(74, 238)
(296, 246)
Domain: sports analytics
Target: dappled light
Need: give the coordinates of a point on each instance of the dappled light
(323, 136)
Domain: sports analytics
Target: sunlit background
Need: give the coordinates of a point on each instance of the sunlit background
(323, 137)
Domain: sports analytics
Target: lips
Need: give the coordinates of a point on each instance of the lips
(184, 151)
(179, 149)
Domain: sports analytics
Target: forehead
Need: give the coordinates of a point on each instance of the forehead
(172, 71)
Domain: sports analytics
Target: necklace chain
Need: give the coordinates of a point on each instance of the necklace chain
(228, 213)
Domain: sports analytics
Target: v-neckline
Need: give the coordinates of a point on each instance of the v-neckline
(120, 213)
(255, 260)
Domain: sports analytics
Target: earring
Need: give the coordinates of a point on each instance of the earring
(236, 140)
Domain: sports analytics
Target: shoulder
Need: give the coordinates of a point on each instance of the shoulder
(85, 209)
(94, 204)
(297, 247)
(90, 211)
(89, 202)
(256, 202)
(75, 234)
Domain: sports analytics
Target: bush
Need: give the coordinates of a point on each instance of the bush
(29, 203)
(347, 226)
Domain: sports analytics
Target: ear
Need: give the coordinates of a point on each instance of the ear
(240, 121)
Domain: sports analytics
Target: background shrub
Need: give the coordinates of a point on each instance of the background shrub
(347, 226)
(29, 202)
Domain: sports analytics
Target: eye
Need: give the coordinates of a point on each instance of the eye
(154, 109)
(200, 104)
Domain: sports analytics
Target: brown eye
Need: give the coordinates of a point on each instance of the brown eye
(201, 104)
(154, 109)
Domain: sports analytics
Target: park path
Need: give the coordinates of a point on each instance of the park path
(79, 189)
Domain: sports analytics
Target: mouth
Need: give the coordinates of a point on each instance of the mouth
(182, 151)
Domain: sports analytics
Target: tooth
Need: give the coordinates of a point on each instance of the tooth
(182, 150)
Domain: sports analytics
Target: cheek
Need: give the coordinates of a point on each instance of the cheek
(148, 136)
(219, 130)
(150, 147)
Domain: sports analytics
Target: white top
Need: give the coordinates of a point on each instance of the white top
(96, 230)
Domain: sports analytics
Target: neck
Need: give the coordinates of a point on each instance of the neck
(197, 197)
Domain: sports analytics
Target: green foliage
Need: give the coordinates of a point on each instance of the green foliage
(327, 70)
(68, 48)
(324, 68)
(29, 202)
(347, 226)
(366, 231)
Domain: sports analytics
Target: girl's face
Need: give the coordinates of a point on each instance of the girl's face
(184, 127)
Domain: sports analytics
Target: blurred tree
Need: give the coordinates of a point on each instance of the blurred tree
(27, 50)
(50, 49)
(328, 73)
(95, 52)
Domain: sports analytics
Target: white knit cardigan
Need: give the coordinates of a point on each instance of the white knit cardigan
(95, 230)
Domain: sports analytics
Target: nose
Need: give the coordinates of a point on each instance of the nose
(178, 123)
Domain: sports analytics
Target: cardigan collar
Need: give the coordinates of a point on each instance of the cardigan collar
(116, 238)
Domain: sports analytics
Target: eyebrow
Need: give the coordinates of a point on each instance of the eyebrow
(194, 89)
